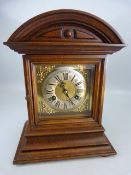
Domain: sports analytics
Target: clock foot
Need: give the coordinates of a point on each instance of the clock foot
(36, 148)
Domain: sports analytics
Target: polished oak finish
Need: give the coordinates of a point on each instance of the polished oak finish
(64, 37)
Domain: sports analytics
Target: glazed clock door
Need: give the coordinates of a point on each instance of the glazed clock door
(63, 90)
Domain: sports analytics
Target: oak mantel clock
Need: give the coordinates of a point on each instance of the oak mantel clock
(64, 53)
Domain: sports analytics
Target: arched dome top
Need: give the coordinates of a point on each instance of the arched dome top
(66, 25)
(65, 31)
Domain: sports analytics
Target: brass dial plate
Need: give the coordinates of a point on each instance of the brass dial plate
(70, 89)
(64, 89)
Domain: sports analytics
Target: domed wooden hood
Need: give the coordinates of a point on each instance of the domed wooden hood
(73, 31)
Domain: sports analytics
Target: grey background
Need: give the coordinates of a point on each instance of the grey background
(117, 102)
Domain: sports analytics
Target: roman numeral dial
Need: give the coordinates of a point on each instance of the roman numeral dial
(64, 89)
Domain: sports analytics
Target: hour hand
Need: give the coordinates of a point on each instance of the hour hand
(65, 91)
(62, 84)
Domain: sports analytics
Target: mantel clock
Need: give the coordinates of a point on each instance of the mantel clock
(64, 53)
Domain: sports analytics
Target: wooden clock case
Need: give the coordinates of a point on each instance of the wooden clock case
(58, 37)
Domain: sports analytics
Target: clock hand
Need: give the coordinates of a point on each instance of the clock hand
(65, 91)
(62, 84)
(70, 100)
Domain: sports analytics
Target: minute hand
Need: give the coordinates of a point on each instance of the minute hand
(65, 91)
(69, 97)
